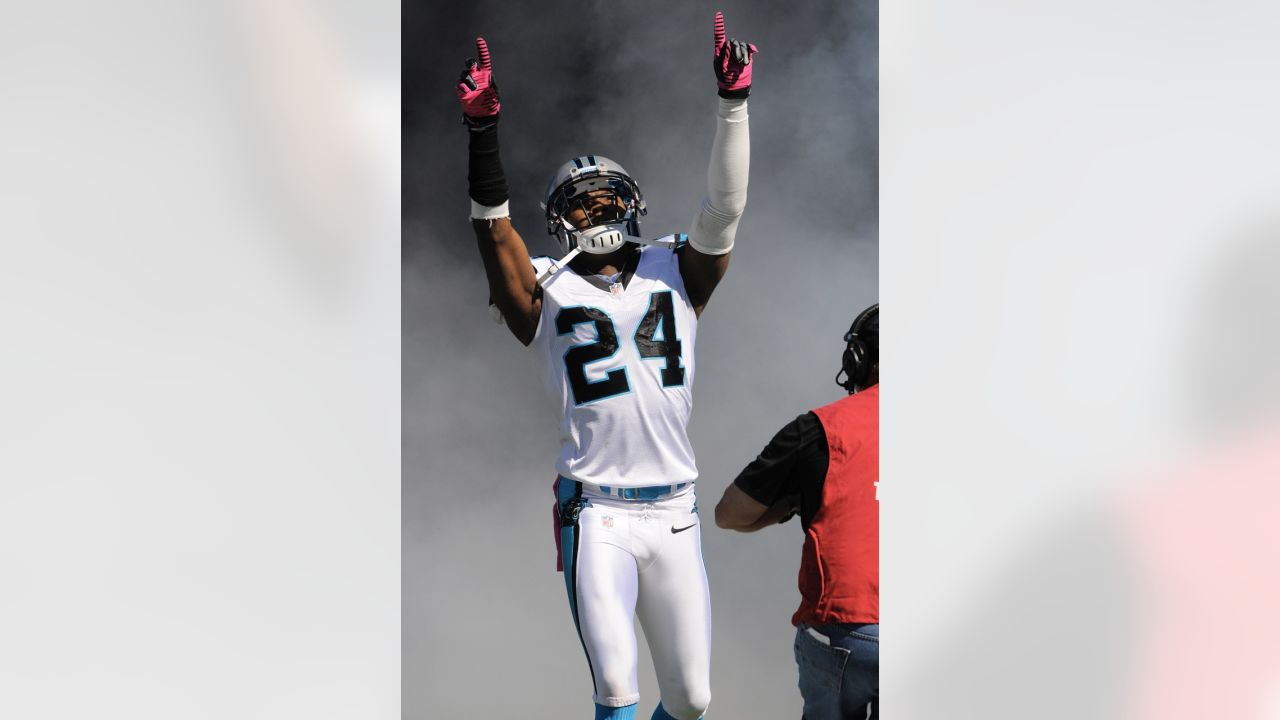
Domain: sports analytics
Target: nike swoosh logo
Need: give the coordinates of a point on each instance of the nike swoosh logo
(686, 527)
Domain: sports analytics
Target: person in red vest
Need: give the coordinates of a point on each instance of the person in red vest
(825, 466)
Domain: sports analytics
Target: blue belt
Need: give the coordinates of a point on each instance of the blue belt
(641, 493)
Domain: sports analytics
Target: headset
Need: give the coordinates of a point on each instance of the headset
(859, 354)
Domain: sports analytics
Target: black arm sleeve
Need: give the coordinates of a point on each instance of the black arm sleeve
(793, 464)
(487, 184)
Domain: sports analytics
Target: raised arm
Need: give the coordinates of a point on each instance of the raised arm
(512, 286)
(704, 262)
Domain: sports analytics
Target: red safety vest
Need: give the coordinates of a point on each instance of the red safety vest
(840, 567)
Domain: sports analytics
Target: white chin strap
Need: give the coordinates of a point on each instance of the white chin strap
(556, 265)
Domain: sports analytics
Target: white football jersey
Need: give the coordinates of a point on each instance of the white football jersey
(619, 361)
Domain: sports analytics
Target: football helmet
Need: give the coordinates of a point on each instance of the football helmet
(601, 191)
(862, 350)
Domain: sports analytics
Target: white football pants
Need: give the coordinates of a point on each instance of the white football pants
(639, 558)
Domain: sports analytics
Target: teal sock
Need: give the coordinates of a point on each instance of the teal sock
(661, 714)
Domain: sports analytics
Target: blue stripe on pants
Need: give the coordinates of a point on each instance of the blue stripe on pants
(567, 490)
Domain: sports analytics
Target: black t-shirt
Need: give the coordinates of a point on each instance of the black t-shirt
(793, 464)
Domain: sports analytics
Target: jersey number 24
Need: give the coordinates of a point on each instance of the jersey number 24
(660, 315)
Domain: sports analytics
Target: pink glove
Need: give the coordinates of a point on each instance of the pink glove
(477, 90)
(732, 63)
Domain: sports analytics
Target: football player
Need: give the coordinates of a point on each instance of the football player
(614, 321)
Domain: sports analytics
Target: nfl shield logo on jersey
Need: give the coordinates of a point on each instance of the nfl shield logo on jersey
(607, 521)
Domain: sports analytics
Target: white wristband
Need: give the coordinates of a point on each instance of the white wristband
(484, 212)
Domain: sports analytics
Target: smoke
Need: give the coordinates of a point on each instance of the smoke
(486, 624)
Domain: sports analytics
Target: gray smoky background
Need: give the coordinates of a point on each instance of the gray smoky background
(486, 625)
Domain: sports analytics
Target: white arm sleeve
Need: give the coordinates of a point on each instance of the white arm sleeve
(717, 220)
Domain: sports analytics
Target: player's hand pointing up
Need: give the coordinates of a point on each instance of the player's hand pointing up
(477, 90)
(732, 63)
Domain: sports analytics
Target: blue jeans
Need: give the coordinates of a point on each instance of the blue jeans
(839, 680)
